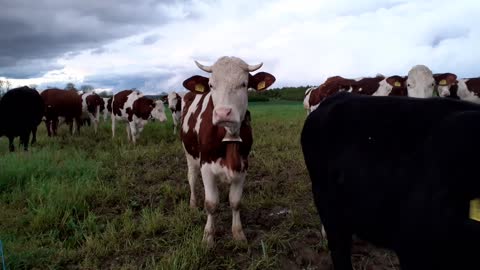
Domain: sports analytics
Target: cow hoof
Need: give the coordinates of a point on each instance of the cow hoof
(208, 240)
(193, 204)
(238, 235)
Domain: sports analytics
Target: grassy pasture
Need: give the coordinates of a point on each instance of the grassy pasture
(90, 202)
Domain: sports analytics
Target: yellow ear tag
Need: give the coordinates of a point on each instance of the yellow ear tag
(199, 88)
(261, 85)
(443, 82)
(397, 84)
(475, 209)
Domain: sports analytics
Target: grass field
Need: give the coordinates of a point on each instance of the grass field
(90, 202)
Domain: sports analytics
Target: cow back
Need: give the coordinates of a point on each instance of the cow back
(66, 103)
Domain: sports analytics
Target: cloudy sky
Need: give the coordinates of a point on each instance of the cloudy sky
(151, 44)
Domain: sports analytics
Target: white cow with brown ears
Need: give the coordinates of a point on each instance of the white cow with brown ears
(217, 135)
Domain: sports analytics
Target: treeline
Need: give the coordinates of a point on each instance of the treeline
(284, 93)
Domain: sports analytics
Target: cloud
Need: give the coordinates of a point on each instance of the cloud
(299, 41)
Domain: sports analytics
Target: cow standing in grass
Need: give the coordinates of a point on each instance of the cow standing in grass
(216, 133)
(62, 103)
(21, 111)
(175, 105)
(92, 105)
(133, 107)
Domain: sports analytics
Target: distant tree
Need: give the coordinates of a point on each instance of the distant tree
(70, 86)
(103, 94)
(86, 88)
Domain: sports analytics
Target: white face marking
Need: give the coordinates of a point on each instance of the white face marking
(443, 90)
(172, 100)
(158, 112)
(384, 88)
(420, 82)
(228, 85)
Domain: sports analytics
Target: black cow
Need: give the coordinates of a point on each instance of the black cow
(399, 172)
(21, 111)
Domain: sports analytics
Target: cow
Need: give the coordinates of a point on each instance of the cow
(105, 112)
(62, 103)
(446, 85)
(420, 82)
(92, 105)
(133, 107)
(21, 111)
(216, 133)
(398, 172)
(377, 86)
(174, 101)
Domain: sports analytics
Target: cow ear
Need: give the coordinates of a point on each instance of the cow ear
(451, 79)
(197, 84)
(164, 98)
(395, 82)
(260, 81)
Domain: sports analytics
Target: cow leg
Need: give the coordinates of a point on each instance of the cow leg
(113, 126)
(54, 125)
(193, 172)
(174, 118)
(211, 203)
(94, 119)
(48, 127)
(129, 132)
(236, 189)
(11, 147)
(24, 138)
(340, 244)
(34, 135)
(133, 131)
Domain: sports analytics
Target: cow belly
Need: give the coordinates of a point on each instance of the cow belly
(223, 173)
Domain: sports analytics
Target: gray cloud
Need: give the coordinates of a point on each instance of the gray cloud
(46, 29)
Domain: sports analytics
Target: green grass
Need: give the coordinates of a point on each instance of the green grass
(90, 202)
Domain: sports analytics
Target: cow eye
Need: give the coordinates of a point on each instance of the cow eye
(408, 85)
(210, 85)
(244, 84)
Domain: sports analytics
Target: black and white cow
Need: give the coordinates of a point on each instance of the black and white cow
(399, 172)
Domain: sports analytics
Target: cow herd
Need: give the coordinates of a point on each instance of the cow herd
(391, 159)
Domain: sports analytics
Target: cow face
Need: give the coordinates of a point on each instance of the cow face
(444, 83)
(158, 111)
(172, 100)
(228, 86)
(420, 82)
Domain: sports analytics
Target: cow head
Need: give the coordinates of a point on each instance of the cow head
(158, 111)
(444, 83)
(420, 82)
(228, 85)
(172, 98)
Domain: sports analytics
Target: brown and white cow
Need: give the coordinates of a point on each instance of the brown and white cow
(92, 105)
(133, 107)
(62, 103)
(306, 104)
(174, 101)
(217, 135)
(376, 86)
(465, 89)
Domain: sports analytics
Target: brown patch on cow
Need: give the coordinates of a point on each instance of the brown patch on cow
(142, 108)
(366, 86)
(178, 106)
(473, 85)
(190, 138)
(93, 101)
(119, 101)
(331, 86)
(398, 90)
